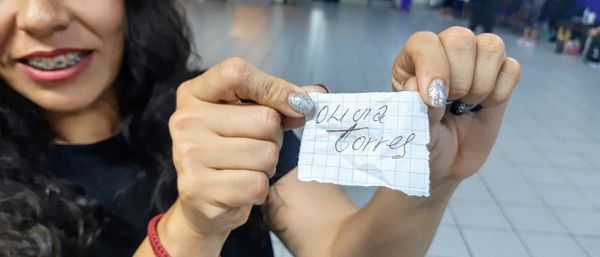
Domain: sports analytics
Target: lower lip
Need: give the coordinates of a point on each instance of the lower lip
(53, 76)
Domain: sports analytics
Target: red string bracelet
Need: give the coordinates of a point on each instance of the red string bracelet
(157, 247)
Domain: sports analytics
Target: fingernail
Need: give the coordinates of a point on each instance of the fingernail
(438, 94)
(301, 103)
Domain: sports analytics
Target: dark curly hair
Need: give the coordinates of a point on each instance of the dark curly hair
(156, 60)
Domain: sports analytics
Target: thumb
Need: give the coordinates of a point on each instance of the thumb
(236, 80)
(435, 114)
(291, 122)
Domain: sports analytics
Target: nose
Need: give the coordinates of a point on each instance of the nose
(41, 18)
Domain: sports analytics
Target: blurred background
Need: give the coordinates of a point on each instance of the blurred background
(539, 192)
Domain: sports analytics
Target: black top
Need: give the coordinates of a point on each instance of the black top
(108, 174)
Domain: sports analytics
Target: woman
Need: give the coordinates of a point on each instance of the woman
(97, 121)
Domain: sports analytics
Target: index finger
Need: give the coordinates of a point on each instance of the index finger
(235, 79)
(424, 57)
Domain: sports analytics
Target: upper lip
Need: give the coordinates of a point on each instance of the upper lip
(51, 53)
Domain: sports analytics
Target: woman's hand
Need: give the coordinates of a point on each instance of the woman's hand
(474, 70)
(225, 149)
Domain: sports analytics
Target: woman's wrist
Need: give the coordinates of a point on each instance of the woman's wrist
(180, 239)
(440, 191)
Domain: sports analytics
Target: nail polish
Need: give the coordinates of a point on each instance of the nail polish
(438, 94)
(301, 103)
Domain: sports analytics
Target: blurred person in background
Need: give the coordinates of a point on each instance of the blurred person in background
(553, 11)
(105, 127)
(592, 52)
(532, 11)
(483, 13)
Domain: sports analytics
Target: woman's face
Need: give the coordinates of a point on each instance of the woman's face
(61, 54)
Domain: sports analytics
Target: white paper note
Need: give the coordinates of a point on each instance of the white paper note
(367, 139)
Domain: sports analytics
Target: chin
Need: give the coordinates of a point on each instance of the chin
(64, 103)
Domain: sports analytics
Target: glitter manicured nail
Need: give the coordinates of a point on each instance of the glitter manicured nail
(438, 94)
(300, 103)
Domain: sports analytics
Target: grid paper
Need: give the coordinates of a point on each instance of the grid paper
(367, 139)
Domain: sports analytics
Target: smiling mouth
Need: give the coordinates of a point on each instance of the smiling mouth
(56, 63)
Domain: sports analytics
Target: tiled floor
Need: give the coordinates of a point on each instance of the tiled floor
(539, 192)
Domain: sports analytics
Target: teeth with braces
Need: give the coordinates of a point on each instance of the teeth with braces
(56, 63)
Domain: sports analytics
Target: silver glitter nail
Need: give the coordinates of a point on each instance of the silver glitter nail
(438, 94)
(301, 103)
